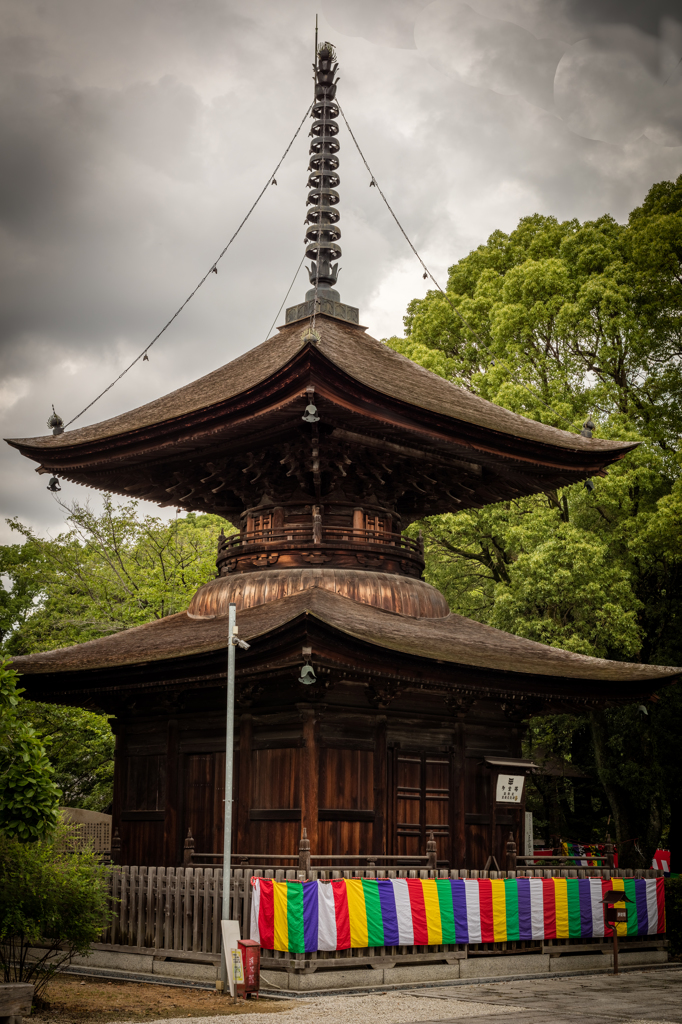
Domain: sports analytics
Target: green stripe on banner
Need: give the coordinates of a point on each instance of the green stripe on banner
(511, 899)
(447, 913)
(375, 921)
(573, 899)
(630, 892)
(295, 917)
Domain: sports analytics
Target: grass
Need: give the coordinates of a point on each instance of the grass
(77, 1000)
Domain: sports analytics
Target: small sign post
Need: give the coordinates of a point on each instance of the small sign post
(615, 915)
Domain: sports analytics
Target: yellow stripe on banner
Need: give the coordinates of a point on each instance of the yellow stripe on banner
(432, 905)
(619, 883)
(561, 907)
(357, 913)
(281, 920)
(499, 910)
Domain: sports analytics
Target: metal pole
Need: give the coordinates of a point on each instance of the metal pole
(229, 758)
(615, 949)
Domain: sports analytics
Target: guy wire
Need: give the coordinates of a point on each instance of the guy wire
(293, 282)
(211, 269)
(426, 269)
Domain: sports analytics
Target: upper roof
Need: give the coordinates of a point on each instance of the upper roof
(413, 441)
(453, 641)
(356, 353)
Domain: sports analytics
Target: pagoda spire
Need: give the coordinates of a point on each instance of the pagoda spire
(322, 217)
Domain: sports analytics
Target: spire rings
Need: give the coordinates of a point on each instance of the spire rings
(323, 179)
(328, 251)
(324, 129)
(323, 144)
(323, 197)
(322, 215)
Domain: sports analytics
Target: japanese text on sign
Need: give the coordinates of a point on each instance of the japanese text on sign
(509, 789)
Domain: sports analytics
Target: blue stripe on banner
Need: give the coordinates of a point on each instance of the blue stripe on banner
(585, 908)
(640, 901)
(389, 913)
(525, 919)
(459, 906)
(310, 917)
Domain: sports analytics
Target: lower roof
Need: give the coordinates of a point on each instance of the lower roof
(452, 640)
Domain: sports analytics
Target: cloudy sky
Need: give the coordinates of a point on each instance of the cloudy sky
(135, 134)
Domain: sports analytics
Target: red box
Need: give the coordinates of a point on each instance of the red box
(250, 950)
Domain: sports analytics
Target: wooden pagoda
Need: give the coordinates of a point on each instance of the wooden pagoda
(368, 714)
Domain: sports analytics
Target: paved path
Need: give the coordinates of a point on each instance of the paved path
(637, 997)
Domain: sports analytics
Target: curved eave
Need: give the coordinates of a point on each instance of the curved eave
(356, 368)
(449, 645)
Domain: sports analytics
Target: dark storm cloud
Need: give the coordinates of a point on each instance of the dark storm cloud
(135, 135)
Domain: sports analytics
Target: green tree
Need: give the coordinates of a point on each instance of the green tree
(53, 904)
(558, 322)
(80, 747)
(104, 573)
(29, 797)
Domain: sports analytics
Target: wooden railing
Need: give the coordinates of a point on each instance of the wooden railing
(179, 910)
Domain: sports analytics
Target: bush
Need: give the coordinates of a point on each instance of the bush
(53, 904)
(29, 798)
(673, 914)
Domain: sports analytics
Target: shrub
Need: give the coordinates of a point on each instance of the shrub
(29, 798)
(53, 904)
(673, 914)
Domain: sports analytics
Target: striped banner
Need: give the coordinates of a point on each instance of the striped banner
(345, 913)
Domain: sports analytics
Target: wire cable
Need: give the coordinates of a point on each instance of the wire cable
(427, 272)
(211, 269)
(293, 282)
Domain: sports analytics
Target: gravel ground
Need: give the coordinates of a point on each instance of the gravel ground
(391, 1008)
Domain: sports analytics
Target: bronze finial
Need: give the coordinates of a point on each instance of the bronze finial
(322, 218)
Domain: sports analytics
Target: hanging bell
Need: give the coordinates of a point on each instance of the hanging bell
(55, 423)
(310, 414)
(588, 427)
(425, 275)
(307, 676)
(589, 485)
(53, 485)
(274, 181)
(145, 358)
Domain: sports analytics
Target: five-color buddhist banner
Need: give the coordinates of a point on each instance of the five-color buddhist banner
(299, 917)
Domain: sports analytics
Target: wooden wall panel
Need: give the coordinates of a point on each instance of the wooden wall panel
(340, 837)
(346, 779)
(275, 778)
(145, 785)
(142, 842)
(203, 800)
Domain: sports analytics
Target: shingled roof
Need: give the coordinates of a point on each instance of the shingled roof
(362, 357)
(453, 640)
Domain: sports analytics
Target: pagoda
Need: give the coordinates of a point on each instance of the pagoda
(367, 713)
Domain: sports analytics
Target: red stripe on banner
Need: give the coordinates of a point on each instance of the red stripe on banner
(606, 886)
(266, 914)
(660, 899)
(485, 895)
(418, 908)
(549, 907)
(341, 911)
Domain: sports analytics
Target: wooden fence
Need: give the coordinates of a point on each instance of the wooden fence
(179, 910)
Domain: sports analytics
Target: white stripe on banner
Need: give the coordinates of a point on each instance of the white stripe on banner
(651, 905)
(326, 916)
(597, 907)
(537, 909)
(255, 906)
(404, 912)
(473, 909)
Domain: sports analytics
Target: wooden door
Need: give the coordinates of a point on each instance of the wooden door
(422, 804)
(203, 800)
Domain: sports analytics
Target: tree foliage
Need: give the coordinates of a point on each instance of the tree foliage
(52, 898)
(105, 573)
(560, 321)
(29, 797)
